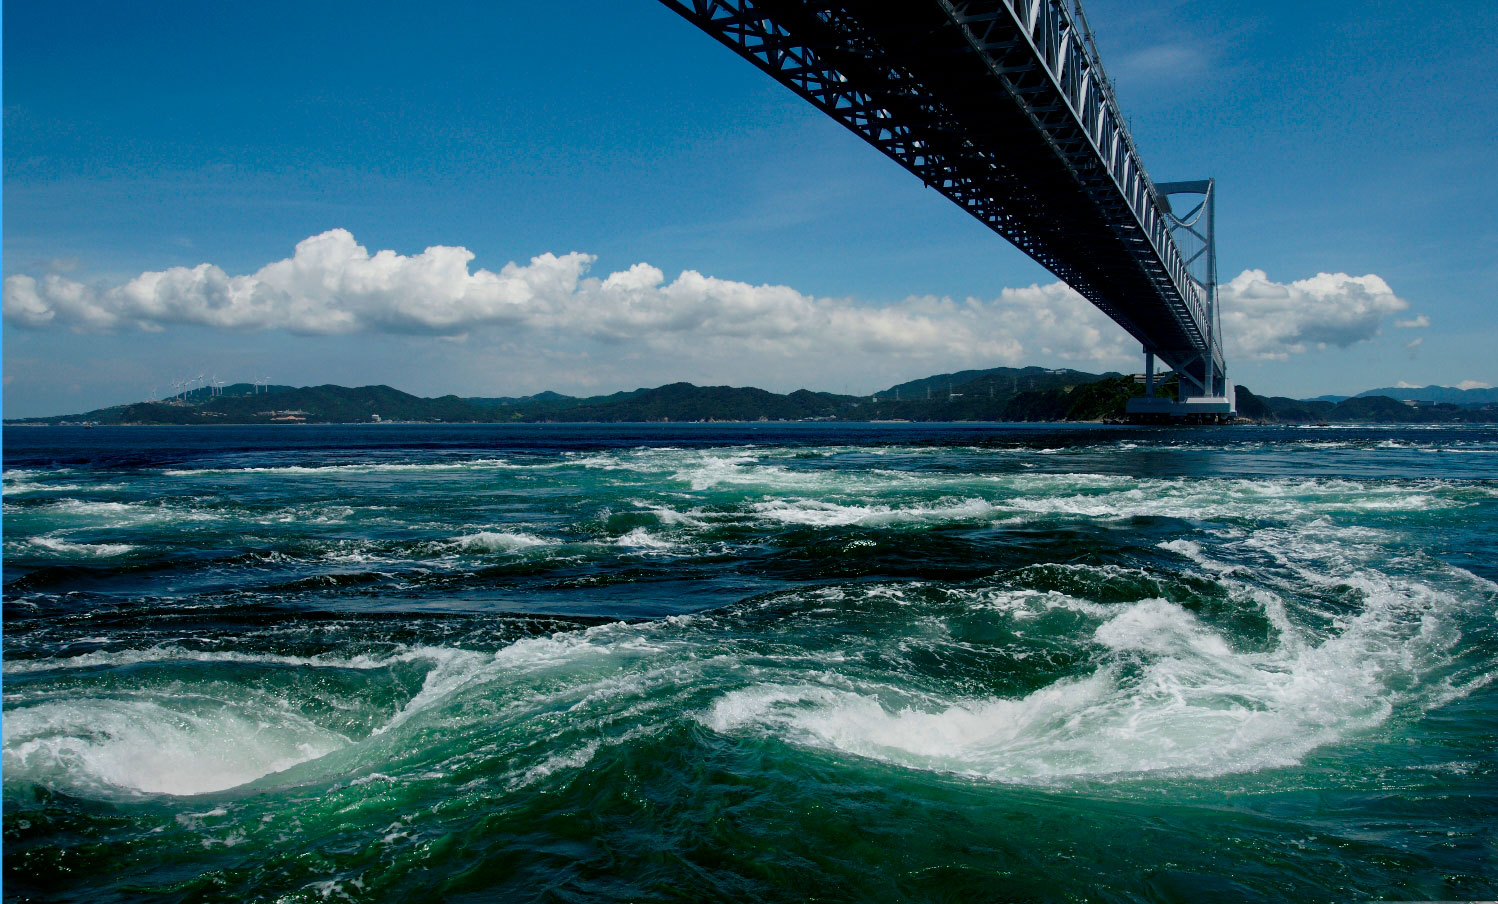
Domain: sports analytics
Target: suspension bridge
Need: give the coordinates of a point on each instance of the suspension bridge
(1003, 107)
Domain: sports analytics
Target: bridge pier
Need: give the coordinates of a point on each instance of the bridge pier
(1189, 410)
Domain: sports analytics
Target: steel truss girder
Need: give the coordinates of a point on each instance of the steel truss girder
(1002, 107)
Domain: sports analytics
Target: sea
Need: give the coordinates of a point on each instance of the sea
(750, 662)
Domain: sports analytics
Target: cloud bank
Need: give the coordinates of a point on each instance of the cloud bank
(332, 285)
(1269, 320)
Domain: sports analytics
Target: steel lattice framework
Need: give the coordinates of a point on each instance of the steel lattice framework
(1002, 106)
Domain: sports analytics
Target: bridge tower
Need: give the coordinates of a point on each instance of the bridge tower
(1205, 391)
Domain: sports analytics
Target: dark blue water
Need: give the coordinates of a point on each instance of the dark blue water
(750, 662)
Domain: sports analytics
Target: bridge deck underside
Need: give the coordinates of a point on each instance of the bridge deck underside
(957, 95)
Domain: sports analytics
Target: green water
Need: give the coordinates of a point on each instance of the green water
(734, 663)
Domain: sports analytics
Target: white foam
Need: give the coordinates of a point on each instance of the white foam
(119, 514)
(63, 547)
(499, 541)
(570, 760)
(602, 461)
(193, 740)
(1161, 627)
(170, 653)
(21, 480)
(1169, 694)
(19, 474)
(21, 488)
(712, 470)
(478, 464)
(695, 518)
(1192, 550)
(640, 538)
(314, 514)
(452, 670)
(456, 670)
(820, 513)
(188, 743)
(181, 745)
(1210, 499)
(353, 557)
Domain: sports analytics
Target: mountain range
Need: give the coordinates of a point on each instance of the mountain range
(996, 394)
(1485, 395)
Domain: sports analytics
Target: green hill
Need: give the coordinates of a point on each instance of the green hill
(309, 404)
(1000, 394)
(992, 382)
(685, 402)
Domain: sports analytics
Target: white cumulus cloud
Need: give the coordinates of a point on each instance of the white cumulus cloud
(1473, 384)
(333, 285)
(1265, 319)
(1414, 323)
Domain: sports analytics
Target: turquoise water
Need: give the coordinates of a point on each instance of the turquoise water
(717, 662)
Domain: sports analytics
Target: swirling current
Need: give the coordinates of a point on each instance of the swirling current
(750, 663)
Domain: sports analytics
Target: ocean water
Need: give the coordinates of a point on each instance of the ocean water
(750, 663)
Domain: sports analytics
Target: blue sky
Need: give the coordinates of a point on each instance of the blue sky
(563, 148)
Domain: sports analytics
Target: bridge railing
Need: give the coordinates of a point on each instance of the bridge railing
(1069, 55)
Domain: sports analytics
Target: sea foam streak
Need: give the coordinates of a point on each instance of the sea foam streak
(478, 464)
(196, 740)
(498, 541)
(1169, 693)
(826, 514)
(63, 547)
(1197, 707)
(167, 745)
